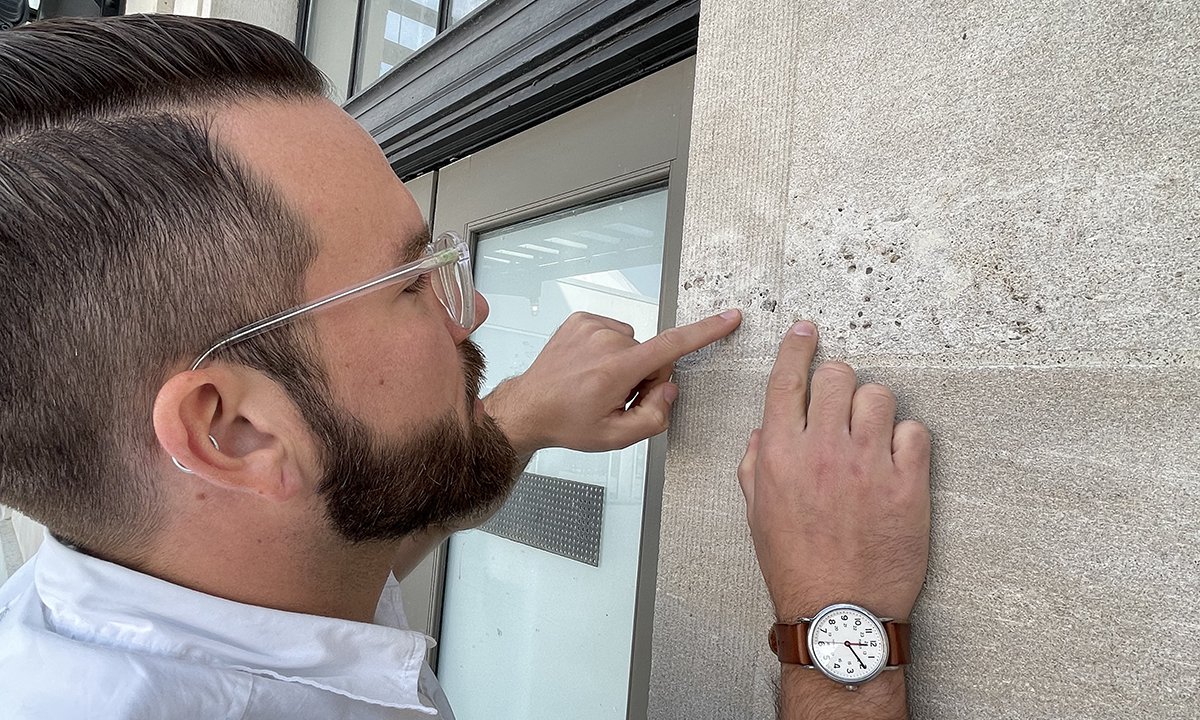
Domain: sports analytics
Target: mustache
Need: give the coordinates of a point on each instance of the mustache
(474, 367)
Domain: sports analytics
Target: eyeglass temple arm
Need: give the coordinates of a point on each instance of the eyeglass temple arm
(444, 257)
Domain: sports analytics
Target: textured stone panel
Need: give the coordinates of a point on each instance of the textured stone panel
(277, 15)
(1064, 566)
(992, 207)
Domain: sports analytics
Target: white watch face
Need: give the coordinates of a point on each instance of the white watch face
(848, 644)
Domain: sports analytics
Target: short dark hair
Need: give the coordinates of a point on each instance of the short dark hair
(129, 240)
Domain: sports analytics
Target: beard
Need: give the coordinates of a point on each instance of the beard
(449, 474)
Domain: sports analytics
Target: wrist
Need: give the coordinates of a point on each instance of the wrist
(844, 644)
(791, 609)
(511, 414)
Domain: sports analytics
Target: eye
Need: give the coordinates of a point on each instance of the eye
(418, 285)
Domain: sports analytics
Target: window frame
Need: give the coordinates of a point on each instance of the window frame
(488, 77)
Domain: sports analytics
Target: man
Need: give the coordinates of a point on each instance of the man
(238, 389)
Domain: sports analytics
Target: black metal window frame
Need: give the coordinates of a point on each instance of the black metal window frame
(510, 65)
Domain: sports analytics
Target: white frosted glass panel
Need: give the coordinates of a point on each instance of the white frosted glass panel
(526, 634)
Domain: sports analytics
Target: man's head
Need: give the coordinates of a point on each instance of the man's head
(162, 182)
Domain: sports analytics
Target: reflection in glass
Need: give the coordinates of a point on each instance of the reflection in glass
(329, 42)
(459, 9)
(528, 634)
(391, 31)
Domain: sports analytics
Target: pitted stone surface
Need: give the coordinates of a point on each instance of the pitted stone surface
(994, 209)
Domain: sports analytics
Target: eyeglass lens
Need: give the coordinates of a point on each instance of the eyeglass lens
(452, 283)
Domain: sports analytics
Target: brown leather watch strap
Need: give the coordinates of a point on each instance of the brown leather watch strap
(789, 642)
(898, 642)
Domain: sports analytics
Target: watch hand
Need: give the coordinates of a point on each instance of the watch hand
(856, 657)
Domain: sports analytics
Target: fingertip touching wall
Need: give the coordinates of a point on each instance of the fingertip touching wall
(992, 208)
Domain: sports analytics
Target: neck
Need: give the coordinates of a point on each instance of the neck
(277, 562)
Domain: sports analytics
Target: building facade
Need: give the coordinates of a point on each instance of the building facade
(991, 208)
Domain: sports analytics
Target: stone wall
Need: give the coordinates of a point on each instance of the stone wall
(993, 208)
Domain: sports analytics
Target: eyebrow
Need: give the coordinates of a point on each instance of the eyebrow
(415, 246)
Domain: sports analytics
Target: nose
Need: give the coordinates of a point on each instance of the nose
(481, 314)
(481, 310)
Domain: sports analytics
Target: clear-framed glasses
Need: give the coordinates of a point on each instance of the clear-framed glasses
(447, 261)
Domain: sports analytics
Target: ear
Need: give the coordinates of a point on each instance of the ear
(236, 429)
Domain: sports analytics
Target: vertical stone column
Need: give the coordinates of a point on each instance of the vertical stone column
(992, 208)
(276, 15)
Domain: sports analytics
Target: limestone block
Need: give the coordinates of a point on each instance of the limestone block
(992, 208)
(1064, 565)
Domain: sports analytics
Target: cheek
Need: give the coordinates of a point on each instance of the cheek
(398, 377)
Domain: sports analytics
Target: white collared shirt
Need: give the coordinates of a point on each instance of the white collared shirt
(81, 637)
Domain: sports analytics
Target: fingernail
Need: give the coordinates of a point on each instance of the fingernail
(731, 314)
(671, 393)
(805, 328)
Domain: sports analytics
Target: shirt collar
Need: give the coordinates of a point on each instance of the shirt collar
(107, 604)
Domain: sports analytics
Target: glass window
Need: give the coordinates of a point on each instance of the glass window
(459, 9)
(391, 31)
(329, 42)
(528, 633)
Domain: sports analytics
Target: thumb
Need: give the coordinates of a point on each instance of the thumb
(745, 470)
(649, 416)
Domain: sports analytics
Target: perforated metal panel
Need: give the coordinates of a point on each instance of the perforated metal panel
(560, 516)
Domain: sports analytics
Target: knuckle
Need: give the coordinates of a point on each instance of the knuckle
(579, 317)
(915, 431)
(618, 337)
(875, 391)
(785, 382)
(836, 371)
(832, 400)
(660, 420)
(669, 339)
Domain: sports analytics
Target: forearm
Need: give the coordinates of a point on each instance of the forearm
(806, 694)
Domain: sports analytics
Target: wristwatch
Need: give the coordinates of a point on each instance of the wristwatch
(847, 643)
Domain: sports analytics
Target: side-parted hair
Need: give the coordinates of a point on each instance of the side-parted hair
(129, 241)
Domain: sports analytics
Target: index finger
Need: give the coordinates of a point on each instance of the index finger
(786, 401)
(672, 344)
